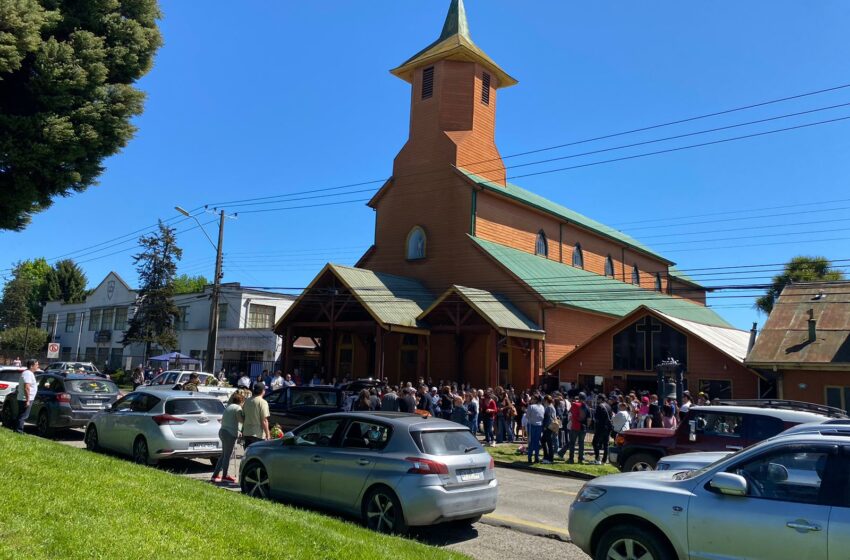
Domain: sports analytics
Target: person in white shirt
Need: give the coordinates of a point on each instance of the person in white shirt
(26, 393)
(620, 422)
(244, 381)
(277, 381)
(288, 382)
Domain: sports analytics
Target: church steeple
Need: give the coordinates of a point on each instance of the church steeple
(454, 43)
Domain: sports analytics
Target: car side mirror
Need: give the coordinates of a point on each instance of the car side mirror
(288, 439)
(729, 484)
(692, 430)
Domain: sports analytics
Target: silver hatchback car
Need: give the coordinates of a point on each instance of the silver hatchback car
(394, 470)
(153, 424)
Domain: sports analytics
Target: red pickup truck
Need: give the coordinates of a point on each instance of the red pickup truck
(729, 426)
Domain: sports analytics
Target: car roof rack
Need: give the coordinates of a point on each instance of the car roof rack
(830, 411)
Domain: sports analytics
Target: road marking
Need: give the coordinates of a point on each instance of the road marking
(535, 528)
(561, 492)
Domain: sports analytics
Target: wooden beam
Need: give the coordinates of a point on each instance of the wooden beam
(288, 341)
(493, 358)
(482, 329)
(379, 352)
(337, 325)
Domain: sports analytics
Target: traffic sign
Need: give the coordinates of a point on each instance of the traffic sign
(53, 350)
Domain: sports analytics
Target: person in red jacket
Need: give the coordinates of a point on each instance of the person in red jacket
(579, 419)
(489, 409)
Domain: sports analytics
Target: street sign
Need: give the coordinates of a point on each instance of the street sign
(53, 350)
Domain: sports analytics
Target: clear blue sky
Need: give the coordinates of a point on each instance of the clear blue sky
(269, 98)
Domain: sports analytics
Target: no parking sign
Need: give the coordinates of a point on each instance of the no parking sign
(53, 350)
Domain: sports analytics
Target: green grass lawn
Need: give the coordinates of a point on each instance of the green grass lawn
(507, 452)
(62, 502)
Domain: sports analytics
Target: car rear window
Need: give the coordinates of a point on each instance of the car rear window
(447, 442)
(91, 386)
(11, 376)
(194, 406)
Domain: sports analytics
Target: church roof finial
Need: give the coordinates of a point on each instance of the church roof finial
(454, 43)
(456, 23)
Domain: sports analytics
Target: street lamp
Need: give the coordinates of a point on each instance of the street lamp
(212, 340)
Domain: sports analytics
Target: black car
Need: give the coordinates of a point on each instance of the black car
(64, 401)
(292, 406)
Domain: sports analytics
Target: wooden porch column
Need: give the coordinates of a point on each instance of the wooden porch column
(287, 351)
(379, 352)
(535, 362)
(493, 358)
(422, 357)
(330, 357)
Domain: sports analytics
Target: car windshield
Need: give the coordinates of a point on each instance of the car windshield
(448, 442)
(194, 406)
(91, 386)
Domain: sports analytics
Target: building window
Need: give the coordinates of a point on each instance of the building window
(416, 244)
(485, 89)
(70, 319)
(609, 266)
(635, 275)
(120, 318)
(645, 343)
(107, 318)
(260, 316)
(839, 397)
(428, 82)
(94, 320)
(657, 281)
(578, 256)
(541, 247)
(51, 324)
(222, 315)
(182, 321)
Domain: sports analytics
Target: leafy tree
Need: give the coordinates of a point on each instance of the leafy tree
(798, 269)
(156, 313)
(24, 293)
(185, 284)
(66, 281)
(66, 94)
(22, 341)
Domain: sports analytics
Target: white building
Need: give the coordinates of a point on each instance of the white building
(93, 330)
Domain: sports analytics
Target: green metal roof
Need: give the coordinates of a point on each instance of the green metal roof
(678, 274)
(392, 300)
(574, 287)
(493, 308)
(527, 197)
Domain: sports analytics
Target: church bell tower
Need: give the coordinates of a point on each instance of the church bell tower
(452, 105)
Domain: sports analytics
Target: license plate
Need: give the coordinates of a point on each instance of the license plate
(205, 445)
(94, 403)
(468, 475)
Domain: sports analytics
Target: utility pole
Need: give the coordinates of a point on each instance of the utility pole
(212, 341)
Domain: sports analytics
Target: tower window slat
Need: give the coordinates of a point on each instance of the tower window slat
(485, 89)
(428, 82)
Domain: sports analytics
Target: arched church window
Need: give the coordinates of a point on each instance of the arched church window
(635, 275)
(657, 281)
(541, 247)
(578, 256)
(416, 242)
(609, 266)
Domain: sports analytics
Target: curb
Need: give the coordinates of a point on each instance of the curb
(559, 474)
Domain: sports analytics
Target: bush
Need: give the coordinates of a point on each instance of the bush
(23, 341)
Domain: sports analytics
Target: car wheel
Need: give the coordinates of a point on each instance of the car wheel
(631, 543)
(640, 462)
(91, 439)
(140, 451)
(382, 511)
(43, 425)
(255, 481)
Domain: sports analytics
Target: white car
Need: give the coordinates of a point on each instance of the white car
(154, 424)
(175, 379)
(9, 378)
(73, 367)
(785, 498)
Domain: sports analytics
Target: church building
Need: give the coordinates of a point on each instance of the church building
(474, 279)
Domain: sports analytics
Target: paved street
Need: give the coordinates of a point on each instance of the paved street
(532, 512)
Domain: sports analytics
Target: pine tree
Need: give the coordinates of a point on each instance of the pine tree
(23, 294)
(798, 269)
(156, 312)
(66, 281)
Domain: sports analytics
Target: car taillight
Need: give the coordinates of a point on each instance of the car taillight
(492, 465)
(426, 466)
(63, 397)
(167, 419)
(4, 386)
(619, 440)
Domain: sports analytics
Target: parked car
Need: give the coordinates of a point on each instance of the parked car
(64, 401)
(394, 470)
(175, 379)
(73, 367)
(724, 427)
(154, 424)
(9, 378)
(292, 406)
(785, 498)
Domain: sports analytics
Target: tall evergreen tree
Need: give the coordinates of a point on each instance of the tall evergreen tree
(66, 281)
(24, 293)
(798, 269)
(156, 312)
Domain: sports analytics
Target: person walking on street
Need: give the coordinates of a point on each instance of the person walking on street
(26, 393)
(229, 432)
(601, 431)
(534, 424)
(255, 426)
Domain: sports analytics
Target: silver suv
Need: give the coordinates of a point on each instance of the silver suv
(786, 497)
